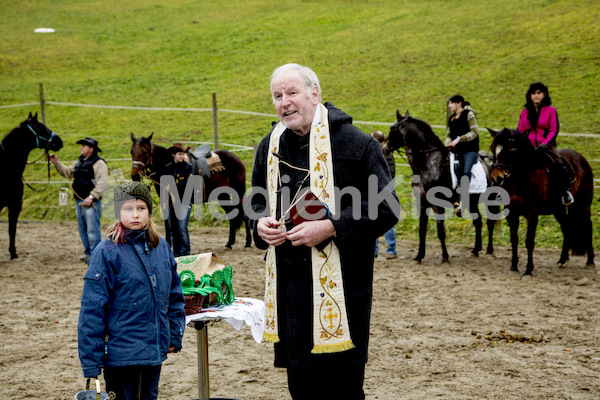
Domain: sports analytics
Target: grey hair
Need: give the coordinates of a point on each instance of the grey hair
(309, 76)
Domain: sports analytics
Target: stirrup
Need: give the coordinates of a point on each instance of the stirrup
(567, 198)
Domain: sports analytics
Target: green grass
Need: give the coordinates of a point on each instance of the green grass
(372, 57)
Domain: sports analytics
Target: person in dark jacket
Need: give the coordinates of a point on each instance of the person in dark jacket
(319, 272)
(132, 308)
(178, 235)
(389, 236)
(90, 180)
(462, 137)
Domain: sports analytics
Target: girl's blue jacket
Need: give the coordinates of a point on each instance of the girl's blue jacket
(132, 307)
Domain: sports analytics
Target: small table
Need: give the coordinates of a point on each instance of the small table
(242, 310)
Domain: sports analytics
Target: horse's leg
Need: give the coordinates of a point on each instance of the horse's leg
(248, 233)
(13, 217)
(587, 226)
(232, 230)
(423, 219)
(477, 223)
(566, 227)
(441, 231)
(490, 226)
(532, 223)
(513, 223)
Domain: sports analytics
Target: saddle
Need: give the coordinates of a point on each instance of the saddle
(479, 179)
(558, 165)
(205, 161)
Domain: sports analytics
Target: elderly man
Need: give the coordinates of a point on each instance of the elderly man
(320, 271)
(90, 179)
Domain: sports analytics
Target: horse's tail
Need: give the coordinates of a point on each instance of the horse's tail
(580, 226)
(240, 188)
(579, 214)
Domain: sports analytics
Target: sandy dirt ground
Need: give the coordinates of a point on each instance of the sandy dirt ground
(469, 329)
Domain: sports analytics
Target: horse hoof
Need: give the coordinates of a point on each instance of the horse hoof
(228, 246)
(514, 270)
(248, 245)
(490, 255)
(474, 254)
(527, 275)
(13, 256)
(445, 261)
(561, 265)
(590, 266)
(416, 261)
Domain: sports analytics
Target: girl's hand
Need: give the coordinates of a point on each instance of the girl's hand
(171, 349)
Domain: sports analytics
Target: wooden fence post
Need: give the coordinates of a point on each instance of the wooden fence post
(42, 103)
(215, 123)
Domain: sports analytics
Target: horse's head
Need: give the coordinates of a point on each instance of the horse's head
(395, 139)
(413, 134)
(141, 156)
(510, 149)
(43, 137)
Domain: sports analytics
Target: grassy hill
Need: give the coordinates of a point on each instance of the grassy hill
(372, 57)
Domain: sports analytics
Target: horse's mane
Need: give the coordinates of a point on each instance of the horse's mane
(520, 138)
(527, 153)
(428, 132)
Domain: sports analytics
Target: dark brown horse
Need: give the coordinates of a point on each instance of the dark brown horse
(428, 158)
(522, 171)
(149, 159)
(14, 150)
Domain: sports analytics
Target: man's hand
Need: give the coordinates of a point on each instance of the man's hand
(268, 230)
(87, 202)
(311, 233)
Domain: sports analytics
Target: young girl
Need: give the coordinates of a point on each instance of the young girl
(132, 309)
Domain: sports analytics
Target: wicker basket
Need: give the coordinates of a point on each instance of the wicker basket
(194, 303)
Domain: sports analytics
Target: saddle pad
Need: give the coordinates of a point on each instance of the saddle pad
(478, 183)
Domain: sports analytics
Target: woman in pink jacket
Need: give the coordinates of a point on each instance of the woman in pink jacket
(539, 122)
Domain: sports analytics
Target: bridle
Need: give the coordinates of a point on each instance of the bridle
(141, 165)
(46, 148)
(38, 138)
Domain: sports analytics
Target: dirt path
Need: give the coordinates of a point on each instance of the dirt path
(465, 330)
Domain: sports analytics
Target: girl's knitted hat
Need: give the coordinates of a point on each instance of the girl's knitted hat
(129, 191)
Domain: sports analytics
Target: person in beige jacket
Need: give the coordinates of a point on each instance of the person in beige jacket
(90, 179)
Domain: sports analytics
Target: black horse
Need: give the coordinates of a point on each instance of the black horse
(428, 158)
(14, 150)
(149, 159)
(522, 171)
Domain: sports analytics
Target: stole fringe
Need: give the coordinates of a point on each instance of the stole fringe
(332, 348)
(271, 338)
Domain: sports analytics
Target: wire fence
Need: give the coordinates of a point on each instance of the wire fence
(214, 109)
(187, 109)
